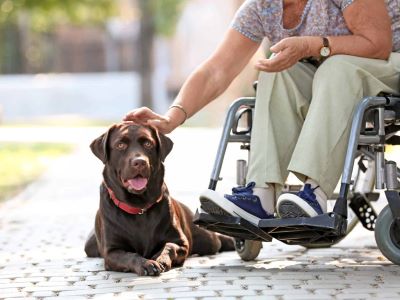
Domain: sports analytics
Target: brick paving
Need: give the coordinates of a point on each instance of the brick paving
(42, 233)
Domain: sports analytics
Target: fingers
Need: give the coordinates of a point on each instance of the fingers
(278, 47)
(287, 52)
(146, 116)
(279, 60)
(140, 114)
(277, 63)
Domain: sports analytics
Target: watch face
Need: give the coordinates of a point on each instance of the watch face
(325, 51)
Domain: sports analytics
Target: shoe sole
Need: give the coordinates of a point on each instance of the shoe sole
(210, 199)
(210, 207)
(291, 206)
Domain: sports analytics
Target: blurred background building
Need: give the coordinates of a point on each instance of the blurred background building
(98, 59)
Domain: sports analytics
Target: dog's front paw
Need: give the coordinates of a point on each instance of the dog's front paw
(165, 263)
(150, 268)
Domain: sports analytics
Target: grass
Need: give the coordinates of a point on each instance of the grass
(22, 163)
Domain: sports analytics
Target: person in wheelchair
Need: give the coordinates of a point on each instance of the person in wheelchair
(327, 55)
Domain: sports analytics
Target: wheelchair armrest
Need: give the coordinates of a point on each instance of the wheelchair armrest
(244, 111)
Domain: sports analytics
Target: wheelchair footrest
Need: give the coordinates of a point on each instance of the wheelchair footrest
(230, 225)
(320, 230)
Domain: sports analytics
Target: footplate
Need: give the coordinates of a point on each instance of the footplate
(320, 230)
(364, 211)
(229, 225)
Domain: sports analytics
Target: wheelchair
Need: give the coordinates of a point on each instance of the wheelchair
(376, 121)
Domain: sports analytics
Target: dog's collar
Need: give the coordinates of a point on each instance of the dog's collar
(128, 208)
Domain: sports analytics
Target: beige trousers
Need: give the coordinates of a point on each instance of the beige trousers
(303, 117)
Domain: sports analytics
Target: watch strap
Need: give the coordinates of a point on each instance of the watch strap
(325, 41)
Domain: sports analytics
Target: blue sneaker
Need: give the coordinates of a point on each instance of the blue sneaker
(241, 203)
(301, 204)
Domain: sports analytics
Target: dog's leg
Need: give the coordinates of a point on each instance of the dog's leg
(172, 255)
(122, 261)
(206, 242)
(91, 247)
(227, 242)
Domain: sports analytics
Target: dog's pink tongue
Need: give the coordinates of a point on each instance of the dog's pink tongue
(138, 183)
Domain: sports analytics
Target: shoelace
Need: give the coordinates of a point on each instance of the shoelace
(308, 194)
(248, 189)
(245, 193)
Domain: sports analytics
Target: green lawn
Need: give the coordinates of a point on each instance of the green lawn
(22, 163)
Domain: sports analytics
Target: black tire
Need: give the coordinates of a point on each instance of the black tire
(247, 249)
(387, 235)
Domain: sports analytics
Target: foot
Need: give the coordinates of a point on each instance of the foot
(301, 204)
(242, 203)
(208, 203)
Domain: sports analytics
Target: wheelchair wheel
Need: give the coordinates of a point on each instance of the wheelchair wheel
(387, 235)
(248, 249)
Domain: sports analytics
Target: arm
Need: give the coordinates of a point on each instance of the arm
(206, 83)
(370, 24)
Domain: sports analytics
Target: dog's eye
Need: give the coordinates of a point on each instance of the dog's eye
(121, 146)
(147, 144)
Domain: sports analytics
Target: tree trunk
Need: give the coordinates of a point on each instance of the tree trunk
(146, 38)
(24, 36)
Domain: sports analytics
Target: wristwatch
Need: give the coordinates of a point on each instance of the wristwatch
(325, 51)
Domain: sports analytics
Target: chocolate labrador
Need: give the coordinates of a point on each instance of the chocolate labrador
(139, 227)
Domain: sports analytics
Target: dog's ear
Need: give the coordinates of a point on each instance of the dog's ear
(99, 145)
(165, 144)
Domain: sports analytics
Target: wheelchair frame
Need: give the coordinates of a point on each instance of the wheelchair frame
(375, 123)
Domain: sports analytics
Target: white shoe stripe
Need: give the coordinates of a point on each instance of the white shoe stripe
(228, 206)
(299, 202)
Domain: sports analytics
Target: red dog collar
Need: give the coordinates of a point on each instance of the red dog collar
(126, 207)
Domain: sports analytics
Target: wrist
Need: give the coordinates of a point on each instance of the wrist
(170, 125)
(314, 46)
(176, 116)
(182, 111)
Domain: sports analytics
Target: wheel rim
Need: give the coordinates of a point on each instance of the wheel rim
(395, 233)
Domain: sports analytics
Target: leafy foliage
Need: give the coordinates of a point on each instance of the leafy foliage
(43, 14)
(166, 14)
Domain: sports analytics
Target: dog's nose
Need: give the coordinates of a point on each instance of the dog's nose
(138, 163)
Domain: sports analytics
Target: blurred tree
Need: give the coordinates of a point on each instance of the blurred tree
(18, 18)
(44, 14)
(158, 17)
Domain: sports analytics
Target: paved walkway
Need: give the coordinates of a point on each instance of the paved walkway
(42, 233)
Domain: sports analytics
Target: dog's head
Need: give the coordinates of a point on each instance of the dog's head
(133, 155)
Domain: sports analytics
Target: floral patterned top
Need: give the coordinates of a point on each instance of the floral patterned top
(257, 19)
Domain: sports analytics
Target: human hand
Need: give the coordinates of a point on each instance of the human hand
(145, 115)
(286, 53)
